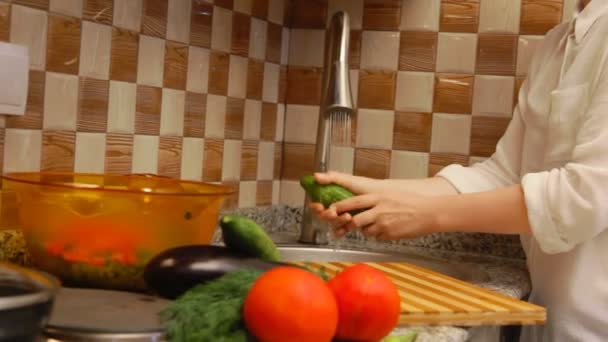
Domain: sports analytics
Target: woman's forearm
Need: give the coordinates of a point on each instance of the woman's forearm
(501, 211)
(434, 186)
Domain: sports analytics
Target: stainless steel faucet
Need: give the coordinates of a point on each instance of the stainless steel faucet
(336, 102)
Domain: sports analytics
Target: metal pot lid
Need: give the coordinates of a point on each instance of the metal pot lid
(102, 315)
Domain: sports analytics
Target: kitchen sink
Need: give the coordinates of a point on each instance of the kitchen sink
(463, 271)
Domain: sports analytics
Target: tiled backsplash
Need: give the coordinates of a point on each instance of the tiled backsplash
(183, 88)
(435, 81)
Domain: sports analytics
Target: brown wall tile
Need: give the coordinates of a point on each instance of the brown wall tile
(119, 153)
(235, 111)
(249, 160)
(372, 163)
(147, 111)
(101, 11)
(381, 14)
(453, 93)
(263, 195)
(268, 125)
(304, 85)
(232, 201)
(485, 133)
(58, 150)
(255, 79)
(219, 65)
(154, 18)
(170, 156)
(278, 161)
(377, 89)
(282, 84)
(32, 119)
(274, 39)
(229, 4)
(41, 4)
(176, 65)
(418, 51)
(63, 44)
(123, 59)
(212, 160)
(259, 9)
(496, 54)
(200, 25)
(241, 30)
(310, 14)
(194, 116)
(438, 161)
(539, 16)
(354, 49)
(298, 160)
(5, 15)
(459, 15)
(2, 140)
(93, 105)
(412, 131)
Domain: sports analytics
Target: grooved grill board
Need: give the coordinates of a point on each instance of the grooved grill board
(431, 298)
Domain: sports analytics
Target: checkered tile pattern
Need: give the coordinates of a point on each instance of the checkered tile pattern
(183, 88)
(435, 81)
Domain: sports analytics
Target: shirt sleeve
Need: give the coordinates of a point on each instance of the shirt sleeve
(502, 168)
(567, 205)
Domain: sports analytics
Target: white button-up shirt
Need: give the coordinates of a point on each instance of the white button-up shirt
(556, 147)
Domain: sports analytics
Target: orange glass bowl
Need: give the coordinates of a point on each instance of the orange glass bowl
(100, 230)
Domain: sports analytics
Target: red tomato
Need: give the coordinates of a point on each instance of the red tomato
(368, 303)
(290, 304)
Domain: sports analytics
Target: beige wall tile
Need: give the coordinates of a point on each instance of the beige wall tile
(569, 9)
(286, 37)
(215, 120)
(252, 119)
(172, 112)
(499, 16)
(276, 192)
(354, 85)
(145, 154)
(22, 150)
(151, 61)
(420, 15)
(121, 109)
(90, 152)
(380, 50)
(276, 11)
(221, 31)
(291, 193)
(192, 159)
(257, 39)
(247, 194)
(127, 14)
(95, 50)
(527, 45)
(342, 159)
(409, 165)
(266, 160)
(198, 70)
(456, 52)
(29, 27)
(270, 92)
(280, 126)
(415, 91)
(354, 8)
(451, 133)
(68, 7)
(306, 48)
(374, 128)
(301, 123)
(493, 95)
(243, 6)
(231, 162)
(237, 77)
(178, 20)
(60, 102)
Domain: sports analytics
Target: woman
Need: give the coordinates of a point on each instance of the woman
(547, 181)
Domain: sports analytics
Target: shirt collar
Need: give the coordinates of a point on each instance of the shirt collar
(583, 20)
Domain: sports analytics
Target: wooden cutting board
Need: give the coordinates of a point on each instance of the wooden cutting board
(431, 298)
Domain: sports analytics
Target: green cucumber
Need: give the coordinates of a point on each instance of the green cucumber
(244, 235)
(326, 194)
